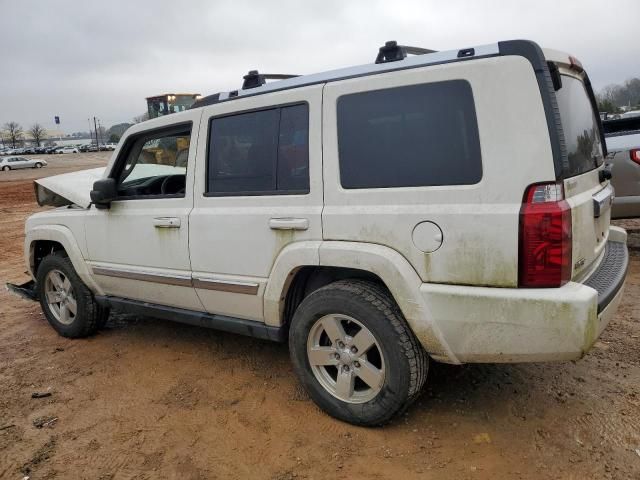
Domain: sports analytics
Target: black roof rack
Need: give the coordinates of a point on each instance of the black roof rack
(254, 79)
(392, 52)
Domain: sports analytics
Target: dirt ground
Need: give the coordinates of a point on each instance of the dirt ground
(150, 399)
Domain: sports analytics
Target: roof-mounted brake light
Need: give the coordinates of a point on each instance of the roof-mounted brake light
(575, 64)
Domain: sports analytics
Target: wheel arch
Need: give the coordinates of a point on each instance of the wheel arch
(44, 239)
(299, 270)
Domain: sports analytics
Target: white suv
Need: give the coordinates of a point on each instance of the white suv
(448, 205)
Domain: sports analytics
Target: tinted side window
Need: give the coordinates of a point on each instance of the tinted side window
(419, 135)
(262, 152)
(293, 149)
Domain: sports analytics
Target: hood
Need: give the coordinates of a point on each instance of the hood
(68, 188)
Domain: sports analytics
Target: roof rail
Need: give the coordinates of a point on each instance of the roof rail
(392, 52)
(254, 79)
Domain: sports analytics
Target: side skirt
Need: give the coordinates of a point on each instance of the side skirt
(218, 322)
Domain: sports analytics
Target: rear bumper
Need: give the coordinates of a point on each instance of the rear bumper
(482, 324)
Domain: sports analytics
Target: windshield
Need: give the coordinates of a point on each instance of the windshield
(580, 127)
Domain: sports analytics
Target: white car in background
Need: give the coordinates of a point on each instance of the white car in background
(14, 163)
(67, 150)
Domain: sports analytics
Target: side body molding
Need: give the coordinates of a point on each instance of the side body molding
(63, 236)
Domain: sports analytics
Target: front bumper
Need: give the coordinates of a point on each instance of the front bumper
(482, 324)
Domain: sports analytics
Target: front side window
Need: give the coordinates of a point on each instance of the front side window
(155, 165)
(412, 136)
(259, 153)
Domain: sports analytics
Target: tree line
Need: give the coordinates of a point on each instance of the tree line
(612, 98)
(15, 134)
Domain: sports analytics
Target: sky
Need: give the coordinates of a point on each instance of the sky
(77, 59)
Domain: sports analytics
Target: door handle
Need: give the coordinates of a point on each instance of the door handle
(166, 222)
(288, 223)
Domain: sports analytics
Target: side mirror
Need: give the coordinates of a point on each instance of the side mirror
(104, 191)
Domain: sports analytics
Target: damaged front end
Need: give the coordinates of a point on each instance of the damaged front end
(27, 290)
(67, 189)
(46, 197)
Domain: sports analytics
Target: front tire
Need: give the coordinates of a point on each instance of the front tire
(6, 168)
(354, 353)
(67, 303)
(38, 165)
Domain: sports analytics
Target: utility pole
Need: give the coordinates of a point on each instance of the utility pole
(100, 132)
(96, 128)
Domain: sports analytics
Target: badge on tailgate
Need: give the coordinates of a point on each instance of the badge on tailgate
(602, 201)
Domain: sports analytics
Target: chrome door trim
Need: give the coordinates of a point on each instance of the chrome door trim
(247, 288)
(180, 281)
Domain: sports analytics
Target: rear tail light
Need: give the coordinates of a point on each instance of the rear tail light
(545, 237)
(634, 153)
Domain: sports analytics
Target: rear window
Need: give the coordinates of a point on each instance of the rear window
(580, 127)
(413, 136)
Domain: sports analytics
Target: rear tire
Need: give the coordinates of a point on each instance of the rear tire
(67, 303)
(368, 385)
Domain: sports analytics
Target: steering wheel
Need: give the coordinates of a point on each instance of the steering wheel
(173, 184)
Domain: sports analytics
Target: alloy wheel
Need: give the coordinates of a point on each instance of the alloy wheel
(60, 297)
(346, 358)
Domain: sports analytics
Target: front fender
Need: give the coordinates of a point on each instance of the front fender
(63, 236)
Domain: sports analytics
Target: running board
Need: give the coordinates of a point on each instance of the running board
(200, 319)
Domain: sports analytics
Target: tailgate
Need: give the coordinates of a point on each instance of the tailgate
(589, 195)
(590, 203)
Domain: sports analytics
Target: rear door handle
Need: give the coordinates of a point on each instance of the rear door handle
(166, 222)
(289, 223)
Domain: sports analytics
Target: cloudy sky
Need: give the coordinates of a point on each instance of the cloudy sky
(82, 58)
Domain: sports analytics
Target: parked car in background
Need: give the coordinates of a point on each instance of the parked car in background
(51, 149)
(630, 114)
(88, 147)
(623, 147)
(14, 151)
(16, 163)
(67, 150)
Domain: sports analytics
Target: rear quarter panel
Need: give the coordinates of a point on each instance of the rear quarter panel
(479, 222)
